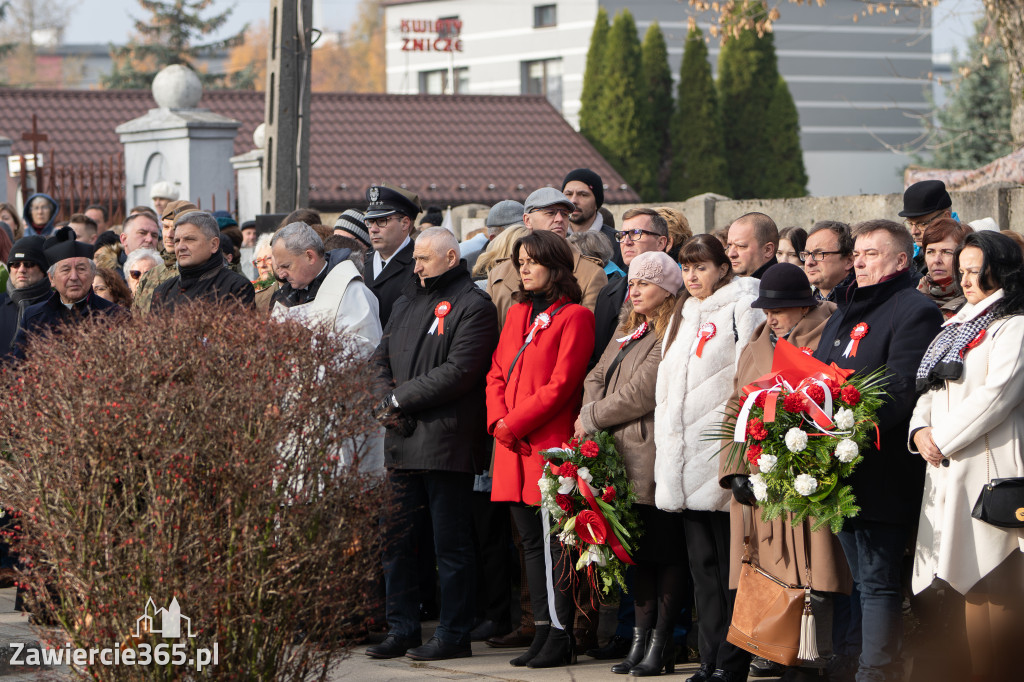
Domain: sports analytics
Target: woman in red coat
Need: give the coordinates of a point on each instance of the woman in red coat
(534, 390)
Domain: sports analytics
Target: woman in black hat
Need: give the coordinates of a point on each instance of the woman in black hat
(793, 314)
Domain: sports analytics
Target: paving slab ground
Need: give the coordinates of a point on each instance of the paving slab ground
(486, 663)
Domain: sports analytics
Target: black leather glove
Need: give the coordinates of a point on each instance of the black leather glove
(741, 490)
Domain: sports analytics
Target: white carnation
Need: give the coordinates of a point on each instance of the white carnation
(796, 440)
(844, 419)
(760, 487)
(805, 484)
(847, 451)
(766, 463)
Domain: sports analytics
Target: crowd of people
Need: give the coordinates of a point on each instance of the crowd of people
(553, 324)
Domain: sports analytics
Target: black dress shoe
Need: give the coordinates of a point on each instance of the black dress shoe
(436, 650)
(703, 674)
(393, 646)
(762, 667)
(617, 647)
(519, 637)
(487, 629)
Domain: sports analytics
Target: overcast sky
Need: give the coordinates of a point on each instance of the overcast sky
(110, 21)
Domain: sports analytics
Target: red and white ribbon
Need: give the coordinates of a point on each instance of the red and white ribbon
(821, 415)
(637, 333)
(543, 321)
(706, 332)
(442, 309)
(859, 331)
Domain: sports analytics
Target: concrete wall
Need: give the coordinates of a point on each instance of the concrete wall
(708, 212)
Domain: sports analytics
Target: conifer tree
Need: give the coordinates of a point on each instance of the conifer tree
(698, 160)
(974, 125)
(622, 101)
(590, 117)
(168, 36)
(657, 77)
(788, 177)
(747, 76)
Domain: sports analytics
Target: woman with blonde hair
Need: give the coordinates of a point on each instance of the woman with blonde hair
(678, 229)
(500, 249)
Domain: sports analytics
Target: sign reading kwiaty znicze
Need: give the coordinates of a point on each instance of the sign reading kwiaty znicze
(431, 35)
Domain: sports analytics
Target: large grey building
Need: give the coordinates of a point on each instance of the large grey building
(859, 85)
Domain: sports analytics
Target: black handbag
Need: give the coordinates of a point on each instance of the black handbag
(1001, 502)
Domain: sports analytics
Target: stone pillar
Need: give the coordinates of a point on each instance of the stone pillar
(5, 151)
(180, 143)
(249, 172)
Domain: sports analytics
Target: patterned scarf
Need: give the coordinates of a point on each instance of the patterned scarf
(944, 359)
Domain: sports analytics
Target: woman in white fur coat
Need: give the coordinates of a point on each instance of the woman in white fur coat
(712, 323)
(967, 426)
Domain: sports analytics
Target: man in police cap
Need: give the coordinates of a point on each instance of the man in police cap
(389, 267)
(71, 272)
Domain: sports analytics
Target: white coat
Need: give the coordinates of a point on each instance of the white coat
(988, 399)
(692, 393)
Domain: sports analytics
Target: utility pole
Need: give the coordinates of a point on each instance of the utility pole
(289, 59)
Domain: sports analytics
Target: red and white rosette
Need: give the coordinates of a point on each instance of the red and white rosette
(859, 331)
(543, 321)
(637, 333)
(706, 332)
(440, 310)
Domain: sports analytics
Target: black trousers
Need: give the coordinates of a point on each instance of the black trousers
(531, 532)
(493, 531)
(707, 542)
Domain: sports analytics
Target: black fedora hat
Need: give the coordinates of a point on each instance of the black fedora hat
(922, 198)
(784, 285)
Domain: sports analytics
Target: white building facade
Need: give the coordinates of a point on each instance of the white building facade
(860, 86)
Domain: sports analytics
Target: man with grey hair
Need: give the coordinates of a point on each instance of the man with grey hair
(202, 273)
(321, 288)
(71, 273)
(431, 369)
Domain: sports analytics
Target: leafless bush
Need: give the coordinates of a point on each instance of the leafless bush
(202, 457)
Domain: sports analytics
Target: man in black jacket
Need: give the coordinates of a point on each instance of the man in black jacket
(882, 321)
(753, 242)
(389, 267)
(643, 229)
(585, 190)
(71, 272)
(28, 283)
(202, 273)
(432, 363)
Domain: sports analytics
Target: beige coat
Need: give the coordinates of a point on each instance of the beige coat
(780, 547)
(626, 408)
(503, 281)
(987, 402)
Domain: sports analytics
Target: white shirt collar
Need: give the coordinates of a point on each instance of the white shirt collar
(597, 224)
(379, 263)
(971, 311)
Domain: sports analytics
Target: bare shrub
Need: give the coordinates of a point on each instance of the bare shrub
(204, 457)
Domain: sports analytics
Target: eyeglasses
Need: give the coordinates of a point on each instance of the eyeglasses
(259, 261)
(921, 224)
(552, 212)
(379, 222)
(634, 235)
(816, 256)
(28, 265)
(135, 274)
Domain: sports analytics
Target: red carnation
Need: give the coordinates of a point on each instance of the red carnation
(794, 402)
(574, 443)
(754, 453)
(565, 502)
(833, 387)
(609, 494)
(756, 429)
(805, 350)
(816, 393)
(568, 470)
(590, 449)
(851, 396)
(759, 400)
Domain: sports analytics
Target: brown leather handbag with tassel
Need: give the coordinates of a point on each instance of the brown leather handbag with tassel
(772, 619)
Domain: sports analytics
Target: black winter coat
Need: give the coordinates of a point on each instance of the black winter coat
(392, 280)
(606, 315)
(901, 323)
(439, 379)
(12, 313)
(52, 312)
(211, 282)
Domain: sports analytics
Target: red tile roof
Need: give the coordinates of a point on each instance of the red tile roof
(450, 150)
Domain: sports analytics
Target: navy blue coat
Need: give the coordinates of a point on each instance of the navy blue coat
(901, 322)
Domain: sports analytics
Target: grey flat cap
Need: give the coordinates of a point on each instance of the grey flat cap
(505, 213)
(545, 197)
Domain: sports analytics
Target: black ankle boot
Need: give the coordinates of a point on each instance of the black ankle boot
(636, 651)
(660, 654)
(539, 637)
(560, 649)
(703, 674)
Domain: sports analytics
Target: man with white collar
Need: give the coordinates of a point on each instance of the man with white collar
(71, 272)
(389, 267)
(321, 288)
